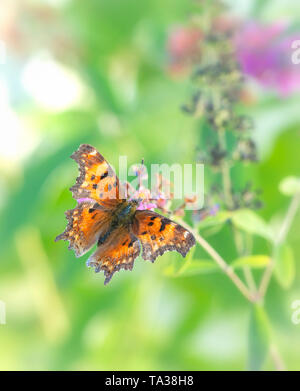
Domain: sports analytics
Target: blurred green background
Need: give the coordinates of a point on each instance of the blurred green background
(97, 72)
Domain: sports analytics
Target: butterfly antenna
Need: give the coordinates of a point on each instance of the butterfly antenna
(140, 180)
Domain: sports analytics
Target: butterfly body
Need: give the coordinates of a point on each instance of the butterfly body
(120, 230)
(126, 211)
(123, 216)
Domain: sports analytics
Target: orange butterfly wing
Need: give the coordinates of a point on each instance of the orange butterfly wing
(118, 252)
(159, 234)
(86, 223)
(96, 180)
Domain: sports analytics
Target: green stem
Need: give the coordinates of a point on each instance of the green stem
(225, 170)
(239, 243)
(242, 250)
(278, 362)
(284, 230)
(227, 269)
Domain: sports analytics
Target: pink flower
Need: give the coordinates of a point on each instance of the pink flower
(145, 196)
(161, 200)
(264, 52)
(146, 206)
(183, 47)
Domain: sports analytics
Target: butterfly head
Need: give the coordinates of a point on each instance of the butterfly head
(127, 210)
(136, 202)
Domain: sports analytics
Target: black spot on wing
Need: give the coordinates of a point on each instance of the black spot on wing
(105, 175)
(164, 223)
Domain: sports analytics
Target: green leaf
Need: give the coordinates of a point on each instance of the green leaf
(250, 222)
(254, 261)
(259, 338)
(290, 186)
(198, 266)
(284, 265)
(190, 267)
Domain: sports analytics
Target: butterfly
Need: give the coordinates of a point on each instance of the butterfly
(120, 230)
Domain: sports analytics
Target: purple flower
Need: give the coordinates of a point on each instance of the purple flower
(84, 199)
(264, 52)
(202, 214)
